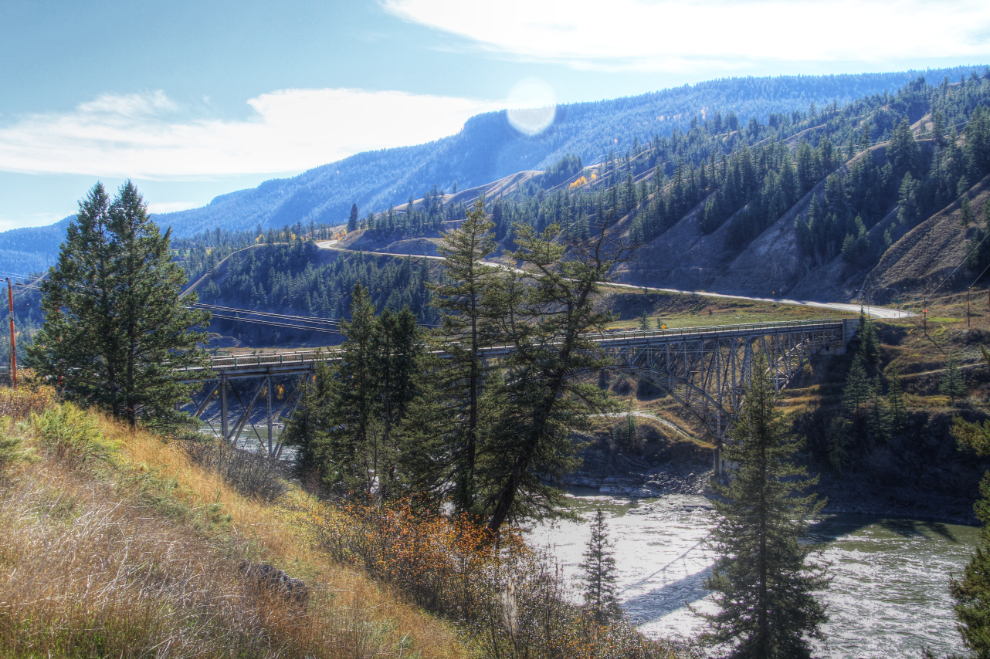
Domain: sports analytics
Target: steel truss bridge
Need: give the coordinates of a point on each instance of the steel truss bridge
(706, 369)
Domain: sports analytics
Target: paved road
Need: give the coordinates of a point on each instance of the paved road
(875, 312)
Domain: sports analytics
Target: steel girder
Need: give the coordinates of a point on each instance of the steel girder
(708, 374)
(704, 368)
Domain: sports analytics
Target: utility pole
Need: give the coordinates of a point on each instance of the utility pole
(967, 308)
(13, 341)
(924, 315)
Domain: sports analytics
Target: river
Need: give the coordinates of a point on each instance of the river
(889, 594)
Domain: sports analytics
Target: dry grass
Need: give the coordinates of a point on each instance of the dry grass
(119, 544)
(687, 310)
(116, 543)
(511, 601)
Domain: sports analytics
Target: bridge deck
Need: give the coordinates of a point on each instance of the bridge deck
(303, 361)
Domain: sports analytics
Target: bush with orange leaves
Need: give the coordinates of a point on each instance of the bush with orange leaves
(508, 599)
(18, 404)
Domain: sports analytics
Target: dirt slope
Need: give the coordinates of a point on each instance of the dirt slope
(926, 255)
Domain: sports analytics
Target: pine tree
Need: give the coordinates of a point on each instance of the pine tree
(465, 302)
(599, 572)
(878, 419)
(547, 316)
(895, 400)
(359, 422)
(857, 387)
(869, 344)
(352, 219)
(115, 329)
(644, 321)
(307, 429)
(972, 592)
(966, 216)
(350, 455)
(951, 383)
(762, 581)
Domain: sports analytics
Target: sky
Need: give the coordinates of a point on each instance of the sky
(192, 99)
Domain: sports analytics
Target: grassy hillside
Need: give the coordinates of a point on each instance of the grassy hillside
(118, 543)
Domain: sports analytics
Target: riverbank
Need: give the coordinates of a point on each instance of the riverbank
(862, 495)
(626, 475)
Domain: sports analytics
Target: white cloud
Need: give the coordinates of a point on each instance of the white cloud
(142, 136)
(172, 206)
(691, 34)
(30, 220)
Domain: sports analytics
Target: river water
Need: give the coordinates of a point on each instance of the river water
(889, 594)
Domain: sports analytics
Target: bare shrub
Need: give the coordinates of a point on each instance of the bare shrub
(252, 474)
(512, 601)
(18, 404)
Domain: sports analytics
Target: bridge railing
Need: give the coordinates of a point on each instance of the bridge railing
(715, 329)
(325, 354)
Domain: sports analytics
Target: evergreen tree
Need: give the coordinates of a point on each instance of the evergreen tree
(352, 219)
(464, 301)
(951, 383)
(762, 581)
(546, 316)
(895, 400)
(857, 388)
(908, 210)
(599, 572)
(979, 255)
(350, 443)
(972, 592)
(307, 429)
(115, 330)
(966, 214)
(878, 418)
(359, 424)
(644, 321)
(869, 343)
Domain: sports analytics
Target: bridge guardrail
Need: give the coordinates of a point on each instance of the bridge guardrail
(715, 329)
(309, 356)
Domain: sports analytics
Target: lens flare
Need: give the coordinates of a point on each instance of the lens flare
(532, 106)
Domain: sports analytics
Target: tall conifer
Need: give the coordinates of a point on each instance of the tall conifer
(115, 330)
(762, 581)
(598, 572)
(463, 300)
(951, 384)
(546, 315)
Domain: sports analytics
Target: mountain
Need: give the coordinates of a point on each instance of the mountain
(31, 249)
(488, 148)
(885, 197)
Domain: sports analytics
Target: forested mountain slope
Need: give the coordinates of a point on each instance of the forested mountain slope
(488, 148)
(786, 185)
(807, 204)
(31, 249)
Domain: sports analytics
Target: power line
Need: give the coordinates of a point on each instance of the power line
(306, 319)
(275, 324)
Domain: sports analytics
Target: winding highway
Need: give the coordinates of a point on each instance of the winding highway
(873, 311)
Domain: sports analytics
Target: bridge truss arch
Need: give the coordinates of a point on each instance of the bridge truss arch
(707, 370)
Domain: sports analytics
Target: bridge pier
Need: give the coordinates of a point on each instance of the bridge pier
(224, 420)
(268, 384)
